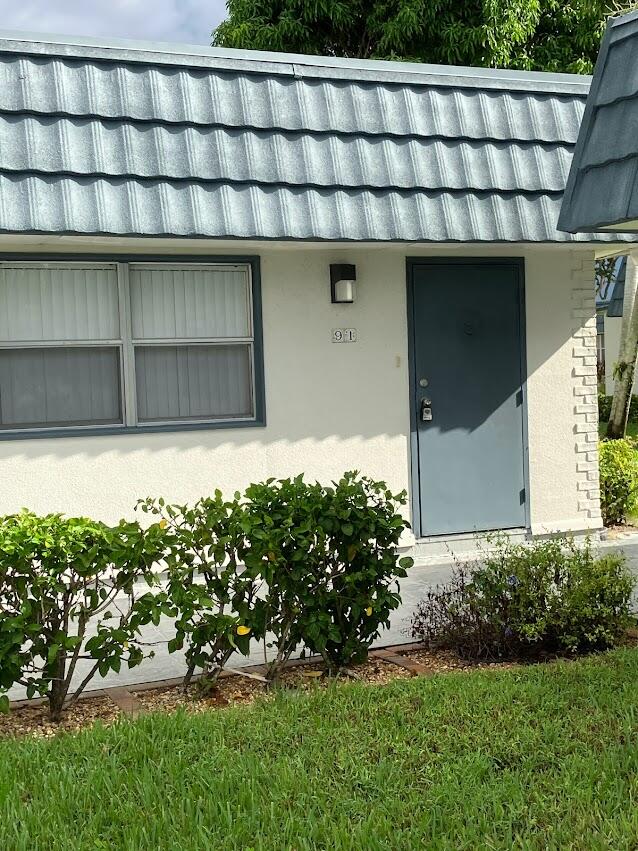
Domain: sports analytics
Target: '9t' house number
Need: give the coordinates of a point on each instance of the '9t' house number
(344, 335)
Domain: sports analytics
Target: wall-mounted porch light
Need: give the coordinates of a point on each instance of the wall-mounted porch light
(342, 283)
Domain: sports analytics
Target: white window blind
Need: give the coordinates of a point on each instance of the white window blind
(55, 368)
(192, 382)
(55, 387)
(182, 323)
(58, 303)
(124, 344)
(178, 303)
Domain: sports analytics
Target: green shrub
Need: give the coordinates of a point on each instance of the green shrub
(604, 408)
(315, 567)
(210, 596)
(618, 479)
(56, 575)
(525, 599)
(328, 558)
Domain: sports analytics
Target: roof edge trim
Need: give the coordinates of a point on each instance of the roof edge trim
(291, 65)
(579, 242)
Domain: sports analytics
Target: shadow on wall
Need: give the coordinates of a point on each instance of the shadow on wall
(468, 344)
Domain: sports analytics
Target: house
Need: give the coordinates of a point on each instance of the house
(602, 189)
(219, 266)
(609, 311)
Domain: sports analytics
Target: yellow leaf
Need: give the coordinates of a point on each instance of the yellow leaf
(243, 630)
(369, 611)
(163, 524)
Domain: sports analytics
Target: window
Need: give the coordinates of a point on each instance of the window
(125, 345)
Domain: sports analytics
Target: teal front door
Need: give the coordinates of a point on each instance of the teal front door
(468, 375)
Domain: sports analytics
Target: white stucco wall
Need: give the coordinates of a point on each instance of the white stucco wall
(329, 407)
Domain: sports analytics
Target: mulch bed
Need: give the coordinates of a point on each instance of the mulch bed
(241, 690)
(383, 666)
(33, 720)
(439, 661)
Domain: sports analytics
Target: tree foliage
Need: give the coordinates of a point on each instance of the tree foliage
(542, 35)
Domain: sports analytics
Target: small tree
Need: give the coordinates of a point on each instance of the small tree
(208, 592)
(329, 559)
(67, 593)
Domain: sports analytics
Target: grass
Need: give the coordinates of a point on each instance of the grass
(543, 757)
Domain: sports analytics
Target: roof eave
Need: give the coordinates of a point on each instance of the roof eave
(570, 219)
(625, 226)
(291, 65)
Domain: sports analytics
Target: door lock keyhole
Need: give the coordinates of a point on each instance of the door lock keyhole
(426, 410)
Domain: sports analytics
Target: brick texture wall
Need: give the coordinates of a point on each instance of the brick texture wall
(585, 388)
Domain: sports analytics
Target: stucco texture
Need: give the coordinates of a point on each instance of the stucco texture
(329, 407)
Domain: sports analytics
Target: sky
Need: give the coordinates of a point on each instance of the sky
(187, 21)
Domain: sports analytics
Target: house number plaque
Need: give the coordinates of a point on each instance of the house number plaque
(344, 335)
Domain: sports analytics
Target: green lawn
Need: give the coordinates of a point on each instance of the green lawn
(544, 757)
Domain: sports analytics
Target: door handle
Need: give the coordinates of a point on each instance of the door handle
(426, 410)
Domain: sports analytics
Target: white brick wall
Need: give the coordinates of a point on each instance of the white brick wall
(584, 383)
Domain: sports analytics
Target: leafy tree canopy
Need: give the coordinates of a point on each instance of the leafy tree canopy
(542, 35)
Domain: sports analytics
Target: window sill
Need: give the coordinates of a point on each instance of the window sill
(110, 431)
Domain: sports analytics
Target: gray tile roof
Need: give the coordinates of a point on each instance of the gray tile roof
(616, 302)
(603, 186)
(162, 140)
(612, 304)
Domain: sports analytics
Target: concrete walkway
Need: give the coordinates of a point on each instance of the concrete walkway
(421, 577)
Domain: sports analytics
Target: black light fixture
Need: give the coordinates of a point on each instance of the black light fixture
(342, 283)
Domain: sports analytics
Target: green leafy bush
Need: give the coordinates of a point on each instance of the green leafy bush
(210, 595)
(604, 408)
(328, 558)
(67, 593)
(525, 599)
(314, 567)
(618, 479)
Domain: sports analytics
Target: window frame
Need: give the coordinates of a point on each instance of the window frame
(126, 344)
